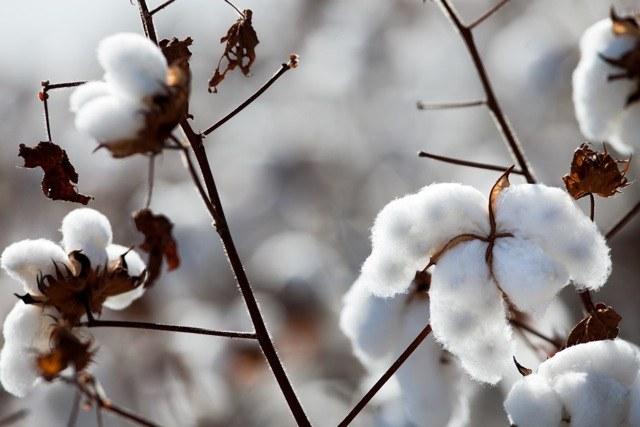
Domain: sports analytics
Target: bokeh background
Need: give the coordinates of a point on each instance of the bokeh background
(302, 173)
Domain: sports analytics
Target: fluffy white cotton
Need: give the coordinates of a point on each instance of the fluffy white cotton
(599, 102)
(26, 259)
(627, 132)
(468, 314)
(526, 273)
(110, 118)
(634, 403)
(533, 403)
(135, 267)
(23, 325)
(18, 372)
(86, 93)
(548, 217)
(134, 66)
(87, 230)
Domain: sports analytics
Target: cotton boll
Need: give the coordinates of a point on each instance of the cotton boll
(390, 271)
(371, 322)
(616, 359)
(110, 118)
(592, 400)
(87, 230)
(533, 403)
(135, 267)
(526, 274)
(86, 93)
(18, 372)
(467, 313)
(27, 259)
(548, 217)
(23, 324)
(135, 67)
(634, 404)
(598, 101)
(627, 130)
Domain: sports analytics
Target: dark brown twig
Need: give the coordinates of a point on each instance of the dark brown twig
(487, 14)
(160, 7)
(462, 162)
(623, 222)
(386, 376)
(150, 180)
(493, 105)
(592, 209)
(96, 323)
(44, 97)
(525, 327)
(449, 105)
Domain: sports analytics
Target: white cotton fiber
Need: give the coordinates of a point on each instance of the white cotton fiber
(634, 404)
(533, 403)
(87, 230)
(526, 274)
(134, 66)
(86, 93)
(548, 217)
(135, 267)
(467, 313)
(597, 101)
(18, 372)
(627, 131)
(26, 259)
(23, 325)
(110, 118)
(592, 400)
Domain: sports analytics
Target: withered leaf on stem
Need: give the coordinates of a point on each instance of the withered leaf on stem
(498, 187)
(60, 176)
(158, 243)
(66, 350)
(602, 324)
(596, 173)
(239, 51)
(176, 51)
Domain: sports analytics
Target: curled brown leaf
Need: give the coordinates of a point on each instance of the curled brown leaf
(158, 243)
(596, 173)
(66, 350)
(601, 324)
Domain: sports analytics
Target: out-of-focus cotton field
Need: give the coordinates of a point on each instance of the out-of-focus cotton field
(302, 173)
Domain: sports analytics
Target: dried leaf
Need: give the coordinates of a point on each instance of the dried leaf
(523, 371)
(60, 176)
(624, 25)
(602, 324)
(596, 173)
(177, 51)
(498, 187)
(67, 350)
(158, 242)
(239, 51)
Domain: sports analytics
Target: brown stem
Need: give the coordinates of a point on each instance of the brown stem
(75, 409)
(449, 105)
(283, 69)
(587, 302)
(386, 376)
(623, 222)
(462, 162)
(147, 21)
(498, 115)
(150, 180)
(44, 97)
(525, 327)
(13, 417)
(487, 14)
(592, 209)
(162, 6)
(96, 323)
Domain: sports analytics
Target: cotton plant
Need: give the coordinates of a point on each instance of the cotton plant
(586, 385)
(488, 258)
(61, 285)
(606, 82)
(141, 98)
(429, 383)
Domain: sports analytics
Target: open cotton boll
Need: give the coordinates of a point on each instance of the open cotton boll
(467, 313)
(110, 118)
(390, 271)
(87, 230)
(86, 93)
(548, 217)
(135, 267)
(18, 372)
(526, 274)
(533, 403)
(592, 400)
(371, 322)
(27, 259)
(627, 130)
(135, 67)
(598, 101)
(24, 325)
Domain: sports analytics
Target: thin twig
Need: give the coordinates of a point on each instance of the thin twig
(386, 376)
(13, 417)
(283, 69)
(498, 115)
(96, 323)
(44, 97)
(487, 14)
(449, 105)
(162, 6)
(461, 162)
(624, 221)
(525, 327)
(150, 180)
(75, 409)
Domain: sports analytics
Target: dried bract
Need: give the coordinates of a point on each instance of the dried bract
(66, 350)
(158, 242)
(593, 172)
(602, 324)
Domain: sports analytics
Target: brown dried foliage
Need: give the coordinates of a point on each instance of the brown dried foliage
(66, 350)
(596, 173)
(601, 324)
(158, 243)
(60, 176)
(239, 51)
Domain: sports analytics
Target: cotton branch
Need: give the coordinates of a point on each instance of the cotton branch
(385, 377)
(96, 323)
(492, 103)
(462, 162)
(487, 14)
(169, 2)
(623, 222)
(449, 105)
(44, 97)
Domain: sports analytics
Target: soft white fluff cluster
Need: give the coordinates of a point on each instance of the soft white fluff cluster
(553, 242)
(590, 385)
(600, 103)
(114, 109)
(27, 328)
(380, 329)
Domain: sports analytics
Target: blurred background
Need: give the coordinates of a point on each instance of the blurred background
(302, 173)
